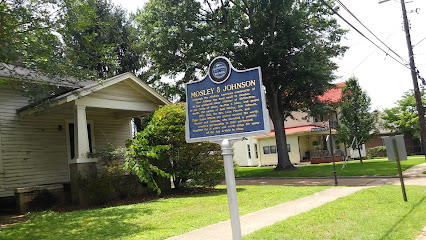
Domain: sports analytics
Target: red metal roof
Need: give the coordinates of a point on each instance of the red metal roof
(291, 130)
(334, 94)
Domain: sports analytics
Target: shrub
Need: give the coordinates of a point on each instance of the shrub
(112, 181)
(379, 151)
(161, 148)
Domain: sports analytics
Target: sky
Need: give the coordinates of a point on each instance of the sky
(384, 80)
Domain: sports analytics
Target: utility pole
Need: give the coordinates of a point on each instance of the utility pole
(417, 95)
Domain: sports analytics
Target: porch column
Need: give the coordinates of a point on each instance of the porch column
(81, 167)
(80, 133)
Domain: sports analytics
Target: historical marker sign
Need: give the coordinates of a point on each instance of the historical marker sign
(226, 104)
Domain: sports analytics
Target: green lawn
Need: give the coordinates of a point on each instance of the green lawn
(377, 167)
(152, 220)
(374, 213)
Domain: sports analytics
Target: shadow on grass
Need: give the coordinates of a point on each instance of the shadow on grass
(85, 224)
(397, 224)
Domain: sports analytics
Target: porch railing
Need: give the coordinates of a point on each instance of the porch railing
(326, 153)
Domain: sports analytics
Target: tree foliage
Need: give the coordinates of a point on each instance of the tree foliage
(27, 33)
(98, 37)
(404, 117)
(292, 41)
(161, 147)
(356, 119)
(64, 40)
(86, 39)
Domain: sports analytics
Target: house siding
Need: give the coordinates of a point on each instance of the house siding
(241, 152)
(267, 159)
(33, 151)
(294, 153)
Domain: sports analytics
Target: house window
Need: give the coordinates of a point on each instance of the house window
(269, 149)
(266, 150)
(248, 151)
(288, 148)
(320, 118)
(273, 149)
(71, 138)
(255, 151)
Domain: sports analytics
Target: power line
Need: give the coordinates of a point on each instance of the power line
(365, 59)
(335, 12)
(349, 11)
(419, 42)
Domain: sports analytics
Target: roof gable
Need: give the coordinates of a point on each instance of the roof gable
(135, 90)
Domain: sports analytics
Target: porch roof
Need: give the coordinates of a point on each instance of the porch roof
(297, 130)
(89, 89)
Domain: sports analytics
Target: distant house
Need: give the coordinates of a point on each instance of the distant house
(412, 144)
(47, 146)
(306, 139)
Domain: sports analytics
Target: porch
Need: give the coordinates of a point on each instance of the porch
(313, 148)
(84, 120)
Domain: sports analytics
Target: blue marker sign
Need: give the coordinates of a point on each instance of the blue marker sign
(226, 104)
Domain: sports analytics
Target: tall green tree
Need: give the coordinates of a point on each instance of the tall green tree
(27, 33)
(99, 36)
(83, 39)
(404, 117)
(356, 119)
(292, 41)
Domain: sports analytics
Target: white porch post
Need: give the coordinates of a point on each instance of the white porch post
(81, 167)
(80, 132)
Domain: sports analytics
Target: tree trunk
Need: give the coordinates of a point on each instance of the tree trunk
(277, 115)
(359, 151)
(177, 182)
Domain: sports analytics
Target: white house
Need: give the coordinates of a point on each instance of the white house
(305, 135)
(46, 146)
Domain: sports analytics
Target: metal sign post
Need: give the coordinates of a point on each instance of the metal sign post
(331, 146)
(395, 149)
(224, 106)
(231, 188)
(398, 164)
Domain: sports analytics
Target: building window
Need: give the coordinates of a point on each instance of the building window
(269, 149)
(266, 150)
(248, 151)
(273, 149)
(71, 138)
(288, 148)
(255, 151)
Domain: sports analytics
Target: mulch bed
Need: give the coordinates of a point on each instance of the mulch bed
(8, 219)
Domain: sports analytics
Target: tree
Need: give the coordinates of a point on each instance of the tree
(292, 41)
(162, 146)
(26, 35)
(355, 116)
(404, 117)
(63, 40)
(99, 37)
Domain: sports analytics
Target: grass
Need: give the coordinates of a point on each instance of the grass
(377, 167)
(374, 213)
(152, 220)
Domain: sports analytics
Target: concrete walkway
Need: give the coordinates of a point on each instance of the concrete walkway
(257, 220)
(412, 176)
